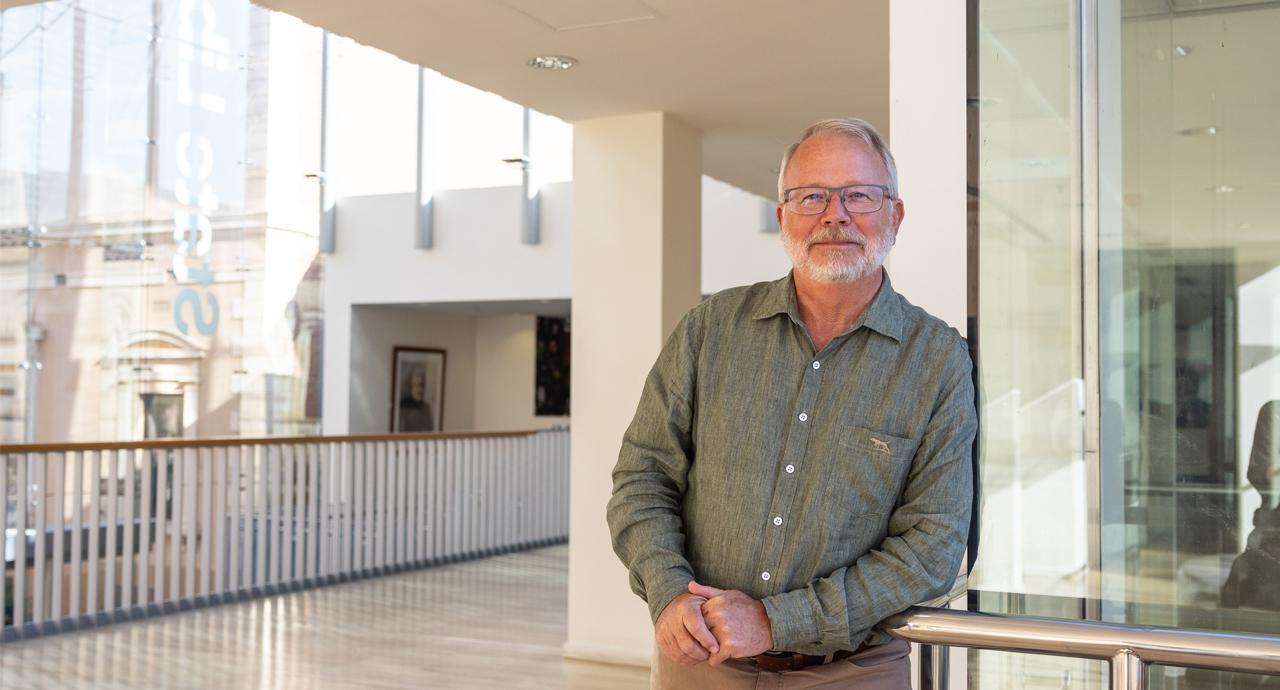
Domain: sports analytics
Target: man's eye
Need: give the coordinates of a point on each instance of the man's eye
(813, 198)
(857, 196)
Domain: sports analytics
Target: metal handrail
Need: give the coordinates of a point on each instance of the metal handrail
(1129, 648)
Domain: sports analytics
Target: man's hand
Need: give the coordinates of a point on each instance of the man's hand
(682, 633)
(739, 623)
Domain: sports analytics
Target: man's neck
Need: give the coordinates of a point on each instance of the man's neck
(828, 309)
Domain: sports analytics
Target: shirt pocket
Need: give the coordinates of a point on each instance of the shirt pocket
(868, 471)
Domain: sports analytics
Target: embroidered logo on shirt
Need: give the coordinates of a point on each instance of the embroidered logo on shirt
(880, 445)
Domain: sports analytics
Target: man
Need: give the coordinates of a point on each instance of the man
(799, 465)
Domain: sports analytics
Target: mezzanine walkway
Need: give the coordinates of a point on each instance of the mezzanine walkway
(493, 623)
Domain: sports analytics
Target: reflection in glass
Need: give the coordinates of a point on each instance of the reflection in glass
(146, 290)
(1189, 270)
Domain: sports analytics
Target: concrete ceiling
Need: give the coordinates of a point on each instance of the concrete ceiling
(750, 74)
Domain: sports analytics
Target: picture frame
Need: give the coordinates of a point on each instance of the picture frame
(417, 389)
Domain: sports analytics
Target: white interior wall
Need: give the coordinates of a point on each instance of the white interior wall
(478, 256)
(736, 249)
(375, 330)
(506, 350)
(928, 133)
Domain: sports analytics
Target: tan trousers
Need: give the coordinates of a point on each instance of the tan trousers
(886, 667)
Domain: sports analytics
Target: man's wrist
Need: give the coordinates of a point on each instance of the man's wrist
(791, 620)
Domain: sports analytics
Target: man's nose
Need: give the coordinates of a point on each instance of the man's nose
(836, 213)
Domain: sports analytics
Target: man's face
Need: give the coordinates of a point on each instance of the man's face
(835, 245)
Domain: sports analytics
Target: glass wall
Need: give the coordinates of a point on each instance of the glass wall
(160, 164)
(1128, 321)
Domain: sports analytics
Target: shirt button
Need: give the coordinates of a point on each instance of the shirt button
(777, 520)
(765, 576)
(804, 417)
(816, 365)
(791, 469)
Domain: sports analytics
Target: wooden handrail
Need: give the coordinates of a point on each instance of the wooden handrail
(228, 441)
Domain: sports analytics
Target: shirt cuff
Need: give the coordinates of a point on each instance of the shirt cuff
(792, 620)
(660, 593)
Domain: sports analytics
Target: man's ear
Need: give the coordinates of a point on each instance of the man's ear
(899, 212)
(778, 213)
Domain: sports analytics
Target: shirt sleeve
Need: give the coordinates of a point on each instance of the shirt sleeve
(649, 481)
(920, 557)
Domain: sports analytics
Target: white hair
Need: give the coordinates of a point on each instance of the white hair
(850, 127)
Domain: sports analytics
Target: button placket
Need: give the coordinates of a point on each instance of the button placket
(793, 451)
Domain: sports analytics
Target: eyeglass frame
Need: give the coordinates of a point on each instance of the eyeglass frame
(830, 194)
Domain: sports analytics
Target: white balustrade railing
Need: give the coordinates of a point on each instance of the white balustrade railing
(111, 531)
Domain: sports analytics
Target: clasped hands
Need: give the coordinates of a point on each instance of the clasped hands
(711, 625)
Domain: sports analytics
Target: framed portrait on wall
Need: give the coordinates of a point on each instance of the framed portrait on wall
(417, 389)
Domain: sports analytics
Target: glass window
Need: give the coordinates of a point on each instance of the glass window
(1190, 346)
(144, 291)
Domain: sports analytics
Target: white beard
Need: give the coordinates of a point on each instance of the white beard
(840, 267)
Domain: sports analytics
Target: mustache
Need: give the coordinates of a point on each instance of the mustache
(835, 235)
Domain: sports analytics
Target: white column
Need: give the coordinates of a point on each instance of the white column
(636, 271)
(927, 132)
(336, 401)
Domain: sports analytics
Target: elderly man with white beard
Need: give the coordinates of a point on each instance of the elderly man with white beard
(799, 465)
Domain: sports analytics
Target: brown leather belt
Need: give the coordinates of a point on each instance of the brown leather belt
(793, 661)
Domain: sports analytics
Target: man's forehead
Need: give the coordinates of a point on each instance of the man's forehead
(836, 151)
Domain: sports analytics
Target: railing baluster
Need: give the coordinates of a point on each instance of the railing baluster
(218, 522)
(387, 506)
(401, 498)
(177, 515)
(163, 458)
(363, 491)
(110, 559)
(315, 461)
(350, 454)
(146, 533)
(204, 523)
(417, 506)
(430, 525)
(58, 474)
(235, 527)
(258, 533)
(22, 492)
(127, 596)
(288, 550)
(324, 524)
(4, 532)
(191, 477)
(93, 476)
(370, 512)
(449, 501)
(41, 507)
(274, 512)
(380, 507)
(466, 499)
(484, 494)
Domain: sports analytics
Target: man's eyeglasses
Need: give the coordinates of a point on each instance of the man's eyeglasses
(858, 198)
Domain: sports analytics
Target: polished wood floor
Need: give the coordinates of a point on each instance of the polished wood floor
(494, 623)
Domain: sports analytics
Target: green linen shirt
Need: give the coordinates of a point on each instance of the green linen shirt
(834, 486)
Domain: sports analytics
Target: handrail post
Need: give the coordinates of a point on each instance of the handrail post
(934, 667)
(1128, 671)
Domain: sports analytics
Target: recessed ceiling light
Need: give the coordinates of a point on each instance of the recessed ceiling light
(1223, 189)
(554, 62)
(1182, 51)
(1198, 131)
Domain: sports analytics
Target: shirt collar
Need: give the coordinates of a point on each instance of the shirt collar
(883, 315)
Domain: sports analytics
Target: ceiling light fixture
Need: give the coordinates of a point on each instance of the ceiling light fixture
(1182, 51)
(552, 62)
(1198, 131)
(1223, 189)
